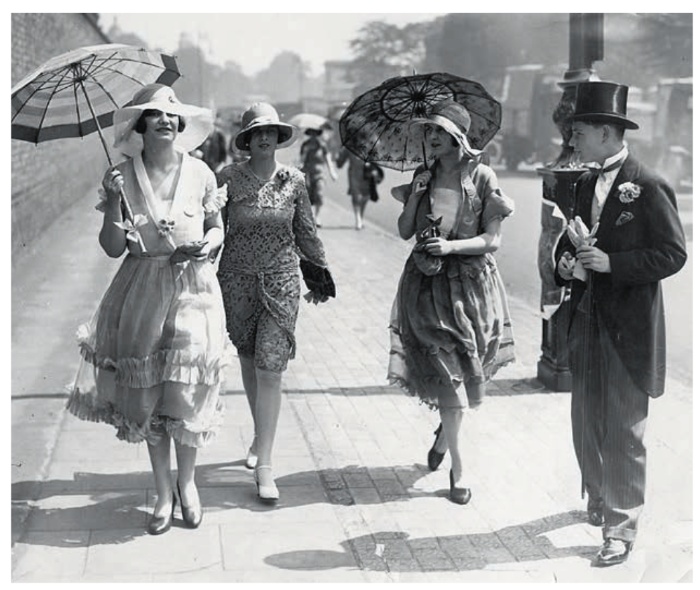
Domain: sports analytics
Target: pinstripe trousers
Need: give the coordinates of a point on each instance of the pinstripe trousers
(608, 418)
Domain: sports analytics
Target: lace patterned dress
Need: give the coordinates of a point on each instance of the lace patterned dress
(269, 225)
(154, 351)
(455, 325)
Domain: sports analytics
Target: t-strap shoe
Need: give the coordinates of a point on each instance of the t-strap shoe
(435, 457)
(612, 552)
(268, 494)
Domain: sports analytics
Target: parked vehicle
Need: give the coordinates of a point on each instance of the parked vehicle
(528, 133)
(665, 138)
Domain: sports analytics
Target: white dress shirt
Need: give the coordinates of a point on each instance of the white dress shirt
(604, 183)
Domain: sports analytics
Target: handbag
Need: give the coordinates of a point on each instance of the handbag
(317, 279)
(427, 263)
(374, 175)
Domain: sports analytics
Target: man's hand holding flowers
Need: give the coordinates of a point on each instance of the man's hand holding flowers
(588, 257)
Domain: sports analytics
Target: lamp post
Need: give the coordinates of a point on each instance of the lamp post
(558, 180)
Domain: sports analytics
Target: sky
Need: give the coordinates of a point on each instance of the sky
(254, 39)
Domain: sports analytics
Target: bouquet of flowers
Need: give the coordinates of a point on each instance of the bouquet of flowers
(580, 235)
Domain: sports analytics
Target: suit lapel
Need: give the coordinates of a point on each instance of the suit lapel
(613, 206)
(585, 198)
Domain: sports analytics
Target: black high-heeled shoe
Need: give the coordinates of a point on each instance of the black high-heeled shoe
(191, 515)
(158, 525)
(459, 495)
(434, 457)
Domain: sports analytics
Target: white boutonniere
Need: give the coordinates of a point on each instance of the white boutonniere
(629, 192)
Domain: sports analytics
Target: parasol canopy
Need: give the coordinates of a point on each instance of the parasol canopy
(375, 126)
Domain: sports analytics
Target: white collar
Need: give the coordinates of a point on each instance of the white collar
(621, 155)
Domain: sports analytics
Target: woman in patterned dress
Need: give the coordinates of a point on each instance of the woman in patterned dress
(450, 324)
(153, 353)
(269, 226)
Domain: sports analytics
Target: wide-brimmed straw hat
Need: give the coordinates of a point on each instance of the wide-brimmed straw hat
(262, 114)
(199, 122)
(453, 118)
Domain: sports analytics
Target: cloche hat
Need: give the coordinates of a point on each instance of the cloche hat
(199, 122)
(603, 102)
(262, 114)
(453, 118)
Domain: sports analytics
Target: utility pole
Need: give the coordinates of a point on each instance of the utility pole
(558, 179)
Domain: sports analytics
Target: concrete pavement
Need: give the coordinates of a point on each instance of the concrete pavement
(358, 503)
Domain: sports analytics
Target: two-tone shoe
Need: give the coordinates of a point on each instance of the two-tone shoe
(612, 552)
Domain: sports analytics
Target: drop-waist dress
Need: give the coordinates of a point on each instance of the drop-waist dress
(153, 354)
(453, 326)
(269, 226)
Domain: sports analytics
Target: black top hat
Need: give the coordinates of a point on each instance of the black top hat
(604, 102)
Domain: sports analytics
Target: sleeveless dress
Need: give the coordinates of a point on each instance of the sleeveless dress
(152, 355)
(269, 226)
(453, 326)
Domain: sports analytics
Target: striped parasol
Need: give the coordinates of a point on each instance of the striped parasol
(76, 93)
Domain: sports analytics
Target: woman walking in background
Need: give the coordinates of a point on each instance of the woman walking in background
(450, 325)
(269, 224)
(363, 178)
(153, 353)
(315, 156)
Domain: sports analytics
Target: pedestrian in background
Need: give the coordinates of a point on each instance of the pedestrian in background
(213, 150)
(363, 178)
(153, 354)
(236, 155)
(450, 324)
(315, 158)
(269, 225)
(616, 335)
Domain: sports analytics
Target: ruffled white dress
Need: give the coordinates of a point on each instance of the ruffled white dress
(154, 351)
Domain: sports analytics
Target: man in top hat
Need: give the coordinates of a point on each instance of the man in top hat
(616, 333)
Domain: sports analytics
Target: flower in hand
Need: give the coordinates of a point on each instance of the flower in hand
(581, 237)
(579, 234)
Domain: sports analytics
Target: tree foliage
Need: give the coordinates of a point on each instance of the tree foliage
(383, 50)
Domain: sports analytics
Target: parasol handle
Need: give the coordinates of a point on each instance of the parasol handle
(425, 159)
(127, 207)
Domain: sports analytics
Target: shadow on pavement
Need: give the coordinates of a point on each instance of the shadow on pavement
(120, 502)
(394, 551)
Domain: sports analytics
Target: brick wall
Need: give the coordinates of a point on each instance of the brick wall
(48, 177)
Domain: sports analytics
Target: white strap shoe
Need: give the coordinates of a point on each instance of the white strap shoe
(268, 493)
